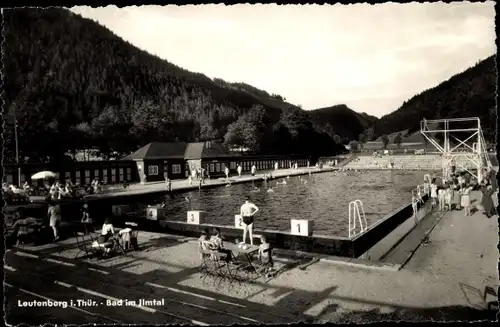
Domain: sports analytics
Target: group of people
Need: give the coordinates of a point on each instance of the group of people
(11, 192)
(215, 243)
(454, 193)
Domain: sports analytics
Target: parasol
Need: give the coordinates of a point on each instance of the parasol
(43, 175)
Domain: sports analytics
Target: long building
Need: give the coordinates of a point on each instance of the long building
(154, 162)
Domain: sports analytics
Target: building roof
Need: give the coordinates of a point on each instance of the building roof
(179, 150)
(159, 150)
(201, 150)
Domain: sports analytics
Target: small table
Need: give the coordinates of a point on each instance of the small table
(247, 253)
(113, 242)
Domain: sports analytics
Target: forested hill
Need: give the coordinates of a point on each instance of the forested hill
(342, 120)
(73, 84)
(471, 93)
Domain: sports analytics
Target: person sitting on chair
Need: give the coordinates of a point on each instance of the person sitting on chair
(95, 186)
(217, 243)
(203, 243)
(26, 187)
(23, 228)
(265, 254)
(107, 231)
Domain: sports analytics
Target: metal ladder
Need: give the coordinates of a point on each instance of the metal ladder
(354, 214)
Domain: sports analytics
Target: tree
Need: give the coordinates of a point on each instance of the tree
(398, 139)
(362, 140)
(369, 133)
(385, 140)
(243, 135)
(353, 145)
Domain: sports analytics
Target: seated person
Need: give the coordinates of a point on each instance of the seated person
(217, 244)
(203, 243)
(95, 185)
(54, 192)
(24, 227)
(265, 257)
(26, 186)
(107, 231)
(126, 237)
(69, 183)
(61, 190)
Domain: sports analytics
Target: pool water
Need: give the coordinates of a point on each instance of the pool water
(324, 198)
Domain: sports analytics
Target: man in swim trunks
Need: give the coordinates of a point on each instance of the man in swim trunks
(248, 209)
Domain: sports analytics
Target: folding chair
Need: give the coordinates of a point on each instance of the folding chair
(207, 267)
(85, 246)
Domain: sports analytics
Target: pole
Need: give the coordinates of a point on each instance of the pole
(17, 152)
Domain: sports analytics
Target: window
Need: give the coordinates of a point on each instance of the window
(105, 176)
(121, 178)
(77, 177)
(212, 168)
(10, 178)
(232, 165)
(96, 173)
(217, 167)
(153, 170)
(176, 169)
(67, 175)
(129, 174)
(87, 176)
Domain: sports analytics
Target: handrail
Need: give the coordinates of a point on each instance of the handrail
(355, 213)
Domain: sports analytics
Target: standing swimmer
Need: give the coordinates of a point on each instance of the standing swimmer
(247, 211)
(254, 169)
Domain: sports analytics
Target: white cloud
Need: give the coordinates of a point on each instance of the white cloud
(371, 58)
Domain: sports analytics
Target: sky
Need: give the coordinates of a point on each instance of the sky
(369, 57)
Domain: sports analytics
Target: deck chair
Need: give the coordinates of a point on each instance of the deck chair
(85, 246)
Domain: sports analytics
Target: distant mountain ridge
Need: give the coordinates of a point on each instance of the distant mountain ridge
(342, 120)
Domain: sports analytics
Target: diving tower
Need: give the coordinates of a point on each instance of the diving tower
(460, 142)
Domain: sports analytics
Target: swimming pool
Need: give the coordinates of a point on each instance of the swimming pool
(324, 198)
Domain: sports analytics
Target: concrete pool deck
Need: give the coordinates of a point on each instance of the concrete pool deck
(450, 277)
